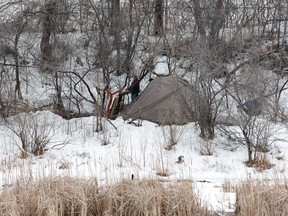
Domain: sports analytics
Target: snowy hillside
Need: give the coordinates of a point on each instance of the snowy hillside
(62, 61)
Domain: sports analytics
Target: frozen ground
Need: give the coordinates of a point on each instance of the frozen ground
(76, 149)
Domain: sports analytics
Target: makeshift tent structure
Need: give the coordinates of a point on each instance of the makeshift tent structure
(253, 107)
(166, 100)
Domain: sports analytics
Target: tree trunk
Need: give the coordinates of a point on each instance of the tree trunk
(115, 30)
(47, 29)
(158, 23)
(21, 23)
(206, 124)
(3, 109)
(18, 93)
(59, 107)
(217, 22)
(249, 146)
(199, 18)
(114, 16)
(126, 66)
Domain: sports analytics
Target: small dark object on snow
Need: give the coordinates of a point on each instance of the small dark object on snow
(132, 176)
(180, 159)
(79, 61)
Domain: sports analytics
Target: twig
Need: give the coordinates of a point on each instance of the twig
(64, 143)
(112, 124)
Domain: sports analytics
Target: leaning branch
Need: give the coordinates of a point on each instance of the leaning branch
(81, 79)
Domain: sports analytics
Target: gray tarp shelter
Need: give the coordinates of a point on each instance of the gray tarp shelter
(166, 100)
(253, 107)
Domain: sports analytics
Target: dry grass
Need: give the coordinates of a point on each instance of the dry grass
(67, 196)
(260, 163)
(51, 196)
(228, 186)
(262, 198)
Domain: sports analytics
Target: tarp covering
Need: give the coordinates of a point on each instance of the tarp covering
(253, 107)
(166, 100)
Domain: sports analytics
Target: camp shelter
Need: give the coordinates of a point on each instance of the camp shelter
(166, 100)
(253, 107)
(257, 106)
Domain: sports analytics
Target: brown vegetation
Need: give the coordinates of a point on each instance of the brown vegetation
(67, 196)
(262, 198)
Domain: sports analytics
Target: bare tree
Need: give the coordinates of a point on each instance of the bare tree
(17, 27)
(33, 136)
(54, 50)
(20, 25)
(13, 30)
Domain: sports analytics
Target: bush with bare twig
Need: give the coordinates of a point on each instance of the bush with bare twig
(33, 135)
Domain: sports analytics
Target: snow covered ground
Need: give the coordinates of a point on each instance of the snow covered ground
(75, 149)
